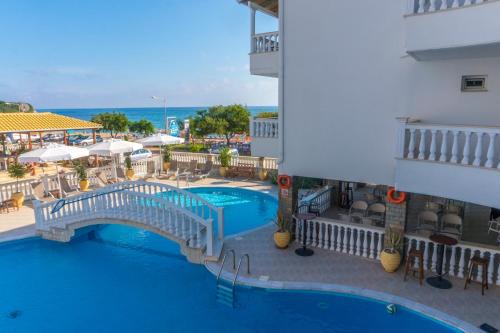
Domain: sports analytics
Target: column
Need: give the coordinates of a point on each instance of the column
(93, 136)
(65, 136)
(41, 139)
(30, 146)
(252, 29)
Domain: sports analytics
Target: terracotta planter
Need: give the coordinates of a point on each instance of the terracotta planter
(18, 198)
(130, 174)
(282, 239)
(262, 174)
(84, 185)
(166, 166)
(390, 261)
(223, 171)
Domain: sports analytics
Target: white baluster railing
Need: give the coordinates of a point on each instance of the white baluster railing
(186, 157)
(358, 240)
(139, 202)
(266, 42)
(466, 145)
(457, 258)
(430, 6)
(264, 128)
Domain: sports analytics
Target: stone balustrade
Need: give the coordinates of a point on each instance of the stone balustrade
(466, 145)
(264, 128)
(186, 157)
(265, 42)
(429, 6)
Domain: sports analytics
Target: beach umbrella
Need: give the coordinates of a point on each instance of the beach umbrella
(53, 152)
(113, 147)
(160, 140)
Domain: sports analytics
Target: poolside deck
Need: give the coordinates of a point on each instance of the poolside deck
(327, 270)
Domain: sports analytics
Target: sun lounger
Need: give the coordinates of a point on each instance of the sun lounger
(66, 187)
(39, 192)
(102, 178)
(172, 171)
(190, 171)
(150, 169)
(204, 172)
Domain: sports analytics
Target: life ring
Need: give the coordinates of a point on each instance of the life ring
(284, 182)
(396, 199)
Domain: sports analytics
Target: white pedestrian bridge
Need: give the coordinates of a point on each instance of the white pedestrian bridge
(173, 213)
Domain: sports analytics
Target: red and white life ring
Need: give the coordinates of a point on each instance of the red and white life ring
(396, 197)
(284, 182)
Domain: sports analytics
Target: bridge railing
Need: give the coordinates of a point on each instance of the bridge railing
(134, 204)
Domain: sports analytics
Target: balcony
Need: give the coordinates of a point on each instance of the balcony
(451, 161)
(264, 57)
(265, 137)
(452, 29)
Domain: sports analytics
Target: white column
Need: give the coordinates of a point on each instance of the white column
(432, 155)
(444, 147)
(465, 159)
(479, 149)
(421, 4)
(491, 150)
(421, 147)
(454, 148)
(411, 144)
(252, 29)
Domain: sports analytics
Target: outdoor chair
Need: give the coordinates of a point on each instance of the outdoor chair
(376, 213)
(204, 172)
(452, 224)
(428, 220)
(7, 204)
(432, 206)
(150, 170)
(120, 174)
(66, 187)
(102, 178)
(358, 211)
(191, 170)
(172, 170)
(39, 192)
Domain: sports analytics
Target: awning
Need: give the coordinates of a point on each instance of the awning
(41, 122)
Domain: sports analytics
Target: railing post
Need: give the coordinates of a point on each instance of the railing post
(401, 136)
(220, 222)
(210, 237)
(252, 29)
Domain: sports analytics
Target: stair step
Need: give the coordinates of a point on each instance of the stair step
(223, 287)
(225, 302)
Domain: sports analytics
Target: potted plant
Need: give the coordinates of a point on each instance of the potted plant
(17, 171)
(390, 257)
(128, 165)
(225, 160)
(282, 235)
(82, 177)
(166, 158)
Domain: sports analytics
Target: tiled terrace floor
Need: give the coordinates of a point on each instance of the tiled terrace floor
(283, 269)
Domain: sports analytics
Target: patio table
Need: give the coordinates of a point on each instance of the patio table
(304, 251)
(442, 241)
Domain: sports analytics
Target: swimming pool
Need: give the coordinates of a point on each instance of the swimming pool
(122, 279)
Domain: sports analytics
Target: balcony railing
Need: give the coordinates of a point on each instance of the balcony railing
(264, 128)
(466, 145)
(429, 6)
(266, 42)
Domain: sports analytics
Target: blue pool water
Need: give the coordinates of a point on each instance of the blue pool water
(128, 280)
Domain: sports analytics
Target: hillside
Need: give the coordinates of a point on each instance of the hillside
(6, 107)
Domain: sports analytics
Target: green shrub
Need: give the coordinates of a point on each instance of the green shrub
(128, 163)
(225, 157)
(267, 114)
(81, 171)
(167, 156)
(16, 171)
(273, 176)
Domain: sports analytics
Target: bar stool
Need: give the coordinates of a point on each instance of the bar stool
(475, 262)
(413, 255)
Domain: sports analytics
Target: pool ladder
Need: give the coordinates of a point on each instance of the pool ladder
(225, 292)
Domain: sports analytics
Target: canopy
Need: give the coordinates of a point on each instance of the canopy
(113, 146)
(160, 140)
(52, 153)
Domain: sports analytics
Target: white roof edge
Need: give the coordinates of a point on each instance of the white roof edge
(257, 7)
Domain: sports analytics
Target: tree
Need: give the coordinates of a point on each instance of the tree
(223, 120)
(16, 171)
(142, 126)
(114, 122)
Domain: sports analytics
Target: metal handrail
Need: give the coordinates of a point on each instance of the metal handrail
(239, 265)
(224, 260)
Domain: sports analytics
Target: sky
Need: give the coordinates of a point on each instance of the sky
(118, 53)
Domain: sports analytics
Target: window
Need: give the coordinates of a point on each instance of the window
(474, 83)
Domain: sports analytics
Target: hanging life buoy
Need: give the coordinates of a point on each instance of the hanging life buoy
(396, 197)
(284, 182)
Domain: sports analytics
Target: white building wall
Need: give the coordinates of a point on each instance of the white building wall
(347, 77)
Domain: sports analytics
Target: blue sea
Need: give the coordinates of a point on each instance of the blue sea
(155, 115)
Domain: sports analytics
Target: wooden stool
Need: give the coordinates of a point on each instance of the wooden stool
(410, 263)
(476, 262)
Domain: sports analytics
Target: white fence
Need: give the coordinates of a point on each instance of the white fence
(185, 157)
(358, 240)
(429, 6)
(466, 145)
(266, 42)
(264, 128)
